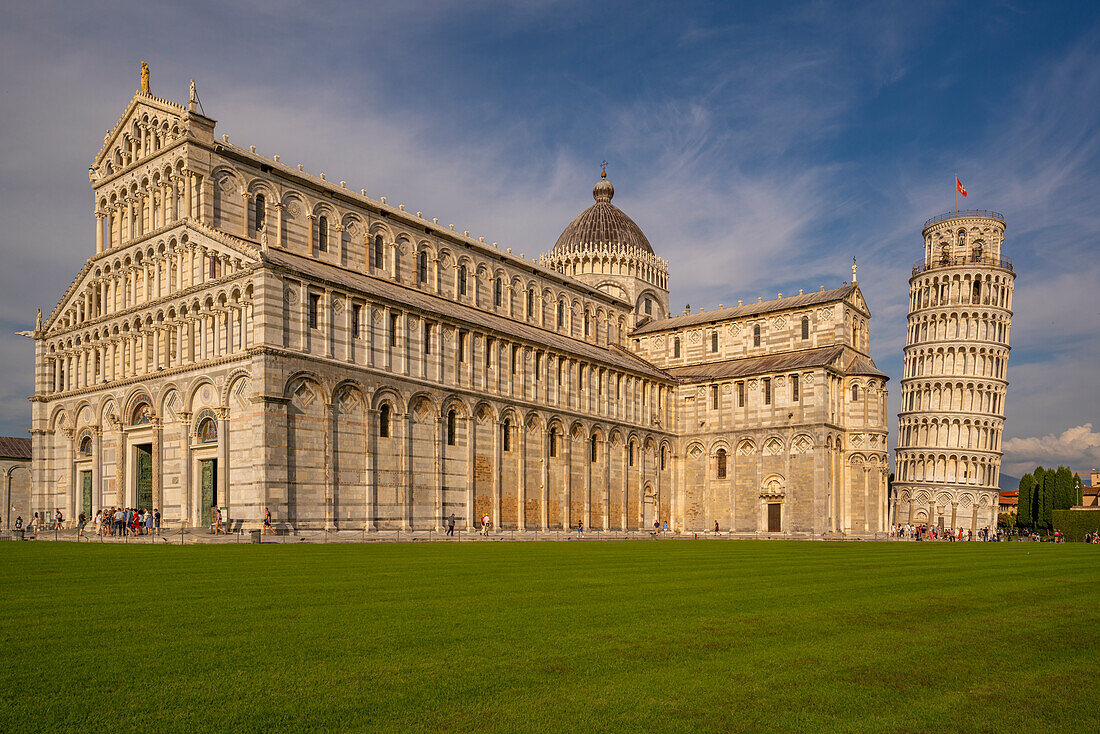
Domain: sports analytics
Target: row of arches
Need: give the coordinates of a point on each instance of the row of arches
(955, 325)
(614, 261)
(963, 361)
(949, 433)
(966, 288)
(948, 468)
(145, 137)
(953, 396)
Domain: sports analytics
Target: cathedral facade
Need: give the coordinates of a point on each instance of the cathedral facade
(248, 336)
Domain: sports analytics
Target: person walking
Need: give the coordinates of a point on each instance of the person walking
(485, 524)
(148, 523)
(715, 527)
(580, 527)
(218, 521)
(36, 521)
(451, 524)
(81, 522)
(268, 530)
(59, 520)
(156, 521)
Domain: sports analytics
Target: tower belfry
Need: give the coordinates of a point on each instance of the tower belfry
(955, 379)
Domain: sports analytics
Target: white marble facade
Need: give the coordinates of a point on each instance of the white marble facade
(250, 336)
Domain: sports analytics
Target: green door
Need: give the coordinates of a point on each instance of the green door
(144, 478)
(86, 483)
(209, 490)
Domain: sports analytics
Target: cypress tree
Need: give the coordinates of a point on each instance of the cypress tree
(1064, 494)
(1049, 477)
(1024, 518)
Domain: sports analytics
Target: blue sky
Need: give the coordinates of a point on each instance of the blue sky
(759, 146)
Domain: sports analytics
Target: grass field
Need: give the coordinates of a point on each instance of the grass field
(625, 636)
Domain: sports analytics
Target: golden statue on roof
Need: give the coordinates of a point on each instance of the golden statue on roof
(144, 77)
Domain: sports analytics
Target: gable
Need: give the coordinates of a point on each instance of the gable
(145, 112)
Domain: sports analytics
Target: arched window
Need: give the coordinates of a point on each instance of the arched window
(379, 252)
(855, 393)
(721, 461)
(561, 314)
(976, 297)
(498, 292)
(664, 456)
(506, 435)
(461, 280)
(208, 431)
(142, 415)
(586, 324)
(805, 327)
(593, 448)
(384, 421)
(422, 266)
(530, 303)
(756, 335)
(714, 341)
(86, 446)
(451, 420)
(261, 212)
(322, 233)
(553, 441)
(630, 454)
(676, 348)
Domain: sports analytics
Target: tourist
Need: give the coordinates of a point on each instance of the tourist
(156, 522)
(148, 523)
(81, 522)
(218, 521)
(59, 520)
(580, 527)
(716, 527)
(36, 521)
(666, 526)
(451, 524)
(268, 530)
(18, 522)
(485, 524)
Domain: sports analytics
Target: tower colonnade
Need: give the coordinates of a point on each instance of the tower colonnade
(955, 375)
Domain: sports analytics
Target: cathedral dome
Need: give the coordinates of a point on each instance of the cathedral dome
(601, 226)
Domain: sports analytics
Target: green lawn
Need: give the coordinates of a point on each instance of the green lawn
(674, 635)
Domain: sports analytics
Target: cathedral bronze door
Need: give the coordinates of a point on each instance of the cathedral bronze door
(86, 493)
(208, 470)
(775, 510)
(144, 466)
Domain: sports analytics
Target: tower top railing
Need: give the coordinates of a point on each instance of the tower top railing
(1005, 263)
(958, 213)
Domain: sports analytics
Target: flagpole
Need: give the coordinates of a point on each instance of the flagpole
(956, 193)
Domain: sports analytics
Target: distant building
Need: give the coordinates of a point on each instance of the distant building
(15, 464)
(1008, 501)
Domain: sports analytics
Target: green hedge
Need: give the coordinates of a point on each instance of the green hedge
(1075, 523)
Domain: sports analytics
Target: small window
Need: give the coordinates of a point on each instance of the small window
(515, 359)
(506, 435)
(561, 314)
(497, 292)
(805, 327)
(586, 325)
(422, 266)
(676, 348)
(314, 307)
(451, 420)
(649, 307)
(664, 457)
(427, 338)
(86, 446)
(530, 303)
(721, 462)
(356, 313)
(593, 449)
(580, 378)
(260, 212)
(794, 389)
(561, 370)
(461, 280)
(322, 234)
(394, 318)
(538, 366)
(714, 341)
(714, 397)
(462, 346)
(553, 441)
(740, 394)
(767, 391)
(756, 335)
(855, 393)
(213, 262)
(488, 353)
(379, 253)
(208, 431)
(384, 421)
(630, 454)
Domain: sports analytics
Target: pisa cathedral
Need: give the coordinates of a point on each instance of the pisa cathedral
(250, 336)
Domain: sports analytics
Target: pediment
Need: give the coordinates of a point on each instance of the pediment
(143, 108)
(856, 299)
(136, 253)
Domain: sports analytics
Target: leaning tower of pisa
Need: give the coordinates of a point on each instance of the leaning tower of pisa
(956, 360)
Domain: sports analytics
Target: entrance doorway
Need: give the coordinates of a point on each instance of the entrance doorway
(144, 465)
(208, 478)
(648, 512)
(774, 517)
(86, 493)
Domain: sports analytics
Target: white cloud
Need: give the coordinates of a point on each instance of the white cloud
(1077, 447)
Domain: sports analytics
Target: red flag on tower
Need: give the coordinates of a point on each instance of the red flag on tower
(959, 187)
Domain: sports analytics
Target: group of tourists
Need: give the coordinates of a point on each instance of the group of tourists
(123, 521)
(40, 522)
(933, 532)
